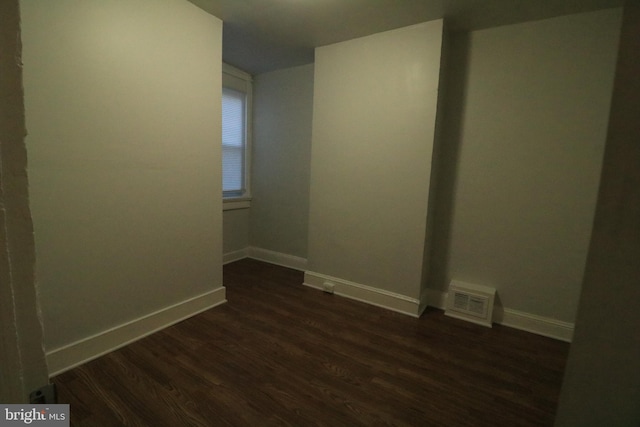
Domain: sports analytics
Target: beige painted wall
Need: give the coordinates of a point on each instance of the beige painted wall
(373, 128)
(283, 110)
(23, 368)
(123, 118)
(528, 150)
(602, 379)
(235, 230)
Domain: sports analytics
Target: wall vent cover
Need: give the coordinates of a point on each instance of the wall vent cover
(470, 302)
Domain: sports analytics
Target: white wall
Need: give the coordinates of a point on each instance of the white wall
(532, 125)
(235, 230)
(373, 131)
(283, 110)
(602, 378)
(123, 115)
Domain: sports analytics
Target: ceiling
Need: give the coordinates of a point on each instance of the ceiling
(265, 35)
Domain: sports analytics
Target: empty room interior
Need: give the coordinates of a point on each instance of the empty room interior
(469, 166)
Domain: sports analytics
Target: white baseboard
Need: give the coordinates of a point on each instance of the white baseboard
(266, 255)
(234, 256)
(544, 326)
(364, 293)
(521, 320)
(64, 358)
(278, 258)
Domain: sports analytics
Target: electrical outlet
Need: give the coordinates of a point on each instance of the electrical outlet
(44, 395)
(328, 287)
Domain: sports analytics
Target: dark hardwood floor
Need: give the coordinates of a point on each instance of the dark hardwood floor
(279, 353)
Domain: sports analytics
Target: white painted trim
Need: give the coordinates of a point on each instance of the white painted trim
(521, 320)
(277, 258)
(236, 72)
(67, 357)
(544, 326)
(233, 204)
(367, 294)
(234, 256)
(265, 255)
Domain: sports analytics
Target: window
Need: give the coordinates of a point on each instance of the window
(233, 142)
(236, 137)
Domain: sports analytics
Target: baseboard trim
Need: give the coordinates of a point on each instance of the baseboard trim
(75, 354)
(539, 325)
(516, 319)
(277, 258)
(266, 255)
(544, 326)
(367, 294)
(234, 256)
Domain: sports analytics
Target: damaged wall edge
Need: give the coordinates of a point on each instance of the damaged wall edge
(23, 367)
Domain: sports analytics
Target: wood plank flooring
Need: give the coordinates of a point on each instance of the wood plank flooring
(281, 354)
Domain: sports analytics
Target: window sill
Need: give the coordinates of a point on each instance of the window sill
(233, 204)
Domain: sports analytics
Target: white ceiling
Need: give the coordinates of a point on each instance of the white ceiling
(265, 35)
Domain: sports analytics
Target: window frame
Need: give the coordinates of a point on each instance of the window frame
(234, 78)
